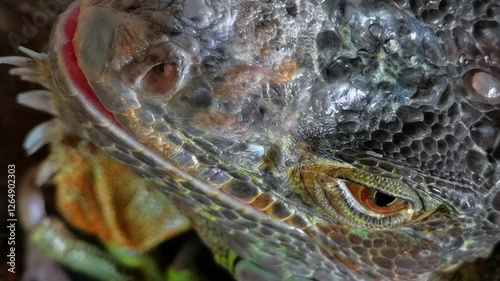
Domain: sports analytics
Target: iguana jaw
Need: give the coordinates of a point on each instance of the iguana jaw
(66, 70)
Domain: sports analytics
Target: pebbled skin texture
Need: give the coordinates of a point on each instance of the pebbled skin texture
(265, 90)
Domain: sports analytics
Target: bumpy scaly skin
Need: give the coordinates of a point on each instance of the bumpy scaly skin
(275, 100)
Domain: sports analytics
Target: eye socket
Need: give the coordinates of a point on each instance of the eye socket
(375, 200)
(161, 79)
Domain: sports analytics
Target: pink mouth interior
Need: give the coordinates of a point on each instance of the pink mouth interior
(75, 72)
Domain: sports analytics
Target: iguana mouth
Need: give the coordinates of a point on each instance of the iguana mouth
(66, 49)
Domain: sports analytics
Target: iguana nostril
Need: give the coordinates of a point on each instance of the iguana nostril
(486, 88)
(161, 79)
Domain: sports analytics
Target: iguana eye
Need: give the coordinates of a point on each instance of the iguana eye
(366, 205)
(161, 79)
(358, 198)
(375, 200)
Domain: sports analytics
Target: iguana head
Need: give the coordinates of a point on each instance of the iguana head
(341, 139)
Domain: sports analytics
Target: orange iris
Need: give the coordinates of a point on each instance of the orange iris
(375, 200)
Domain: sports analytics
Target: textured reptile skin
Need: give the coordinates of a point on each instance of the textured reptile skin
(268, 103)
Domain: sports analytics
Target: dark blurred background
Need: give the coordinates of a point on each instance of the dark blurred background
(16, 121)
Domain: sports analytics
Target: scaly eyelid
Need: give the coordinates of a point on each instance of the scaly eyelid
(392, 187)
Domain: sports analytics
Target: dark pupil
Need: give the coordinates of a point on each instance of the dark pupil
(383, 200)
